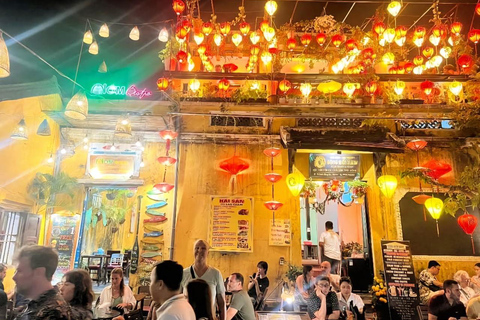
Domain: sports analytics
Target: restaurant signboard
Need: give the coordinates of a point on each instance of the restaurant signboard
(231, 224)
(402, 290)
(327, 166)
(280, 232)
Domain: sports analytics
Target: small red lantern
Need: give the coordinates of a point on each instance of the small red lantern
(187, 25)
(291, 44)
(400, 70)
(223, 84)
(456, 28)
(234, 165)
(182, 56)
(392, 70)
(477, 9)
(178, 6)
(264, 25)
(437, 168)
(427, 87)
(207, 28)
(440, 31)
(284, 85)
(379, 28)
(428, 52)
(166, 161)
(465, 61)
(273, 205)
(272, 152)
(321, 38)
(225, 28)
(474, 35)
(181, 32)
(162, 84)
(400, 31)
(419, 32)
(368, 53)
(337, 40)
(371, 87)
(416, 145)
(244, 28)
(306, 39)
(351, 44)
(408, 66)
(468, 223)
(168, 134)
(273, 177)
(163, 187)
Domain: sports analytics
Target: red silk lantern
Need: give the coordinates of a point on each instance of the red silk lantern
(163, 187)
(477, 9)
(468, 223)
(272, 152)
(182, 56)
(416, 145)
(401, 31)
(207, 28)
(273, 177)
(273, 205)
(254, 50)
(456, 28)
(187, 25)
(465, 61)
(474, 35)
(351, 44)
(162, 84)
(408, 66)
(166, 161)
(181, 32)
(306, 39)
(379, 28)
(418, 60)
(392, 70)
(427, 87)
(234, 165)
(244, 28)
(291, 44)
(440, 31)
(437, 168)
(225, 28)
(178, 6)
(223, 84)
(368, 53)
(419, 32)
(428, 52)
(337, 40)
(371, 87)
(284, 85)
(321, 38)
(168, 134)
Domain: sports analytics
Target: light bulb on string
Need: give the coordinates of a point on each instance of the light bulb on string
(88, 37)
(85, 139)
(104, 31)
(93, 48)
(134, 34)
(113, 148)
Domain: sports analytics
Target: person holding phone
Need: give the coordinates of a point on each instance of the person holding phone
(351, 304)
(258, 281)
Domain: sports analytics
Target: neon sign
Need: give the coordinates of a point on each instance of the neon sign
(113, 90)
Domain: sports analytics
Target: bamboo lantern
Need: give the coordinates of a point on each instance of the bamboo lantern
(20, 132)
(104, 31)
(77, 107)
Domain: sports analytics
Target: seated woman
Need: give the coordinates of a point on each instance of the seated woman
(463, 279)
(304, 286)
(117, 295)
(200, 298)
(323, 303)
(77, 291)
(350, 303)
(475, 280)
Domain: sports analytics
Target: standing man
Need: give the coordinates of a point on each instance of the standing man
(258, 281)
(330, 243)
(36, 266)
(448, 305)
(200, 270)
(428, 284)
(241, 306)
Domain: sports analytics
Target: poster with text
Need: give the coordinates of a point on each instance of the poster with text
(402, 290)
(231, 224)
(280, 232)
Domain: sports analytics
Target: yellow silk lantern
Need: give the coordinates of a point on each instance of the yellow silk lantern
(217, 38)
(349, 89)
(236, 39)
(388, 58)
(93, 48)
(266, 57)
(399, 87)
(88, 37)
(295, 182)
(435, 208)
(271, 6)
(455, 87)
(104, 31)
(389, 35)
(194, 85)
(445, 52)
(254, 37)
(269, 34)
(329, 86)
(198, 37)
(388, 185)
(394, 8)
(134, 34)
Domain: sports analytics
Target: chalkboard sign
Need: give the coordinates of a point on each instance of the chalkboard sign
(402, 290)
(63, 238)
(423, 234)
(326, 166)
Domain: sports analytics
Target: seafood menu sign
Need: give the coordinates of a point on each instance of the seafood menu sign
(280, 234)
(231, 224)
(402, 290)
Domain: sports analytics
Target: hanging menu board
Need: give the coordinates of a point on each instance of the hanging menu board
(326, 166)
(63, 238)
(280, 232)
(231, 224)
(402, 290)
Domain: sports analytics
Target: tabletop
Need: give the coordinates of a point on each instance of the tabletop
(104, 314)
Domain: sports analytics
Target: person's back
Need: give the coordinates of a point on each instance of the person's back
(200, 298)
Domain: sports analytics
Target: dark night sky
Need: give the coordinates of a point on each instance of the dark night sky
(54, 30)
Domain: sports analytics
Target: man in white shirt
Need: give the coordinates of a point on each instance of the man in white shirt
(165, 289)
(330, 243)
(325, 271)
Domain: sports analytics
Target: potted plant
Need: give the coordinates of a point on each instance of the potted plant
(310, 191)
(352, 249)
(294, 95)
(378, 291)
(292, 273)
(317, 96)
(358, 189)
(358, 96)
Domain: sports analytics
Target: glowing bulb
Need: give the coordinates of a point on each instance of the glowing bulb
(134, 34)
(198, 37)
(93, 49)
(50, 160)
(63, 151)
(113, 148)
(455, 87)
(138, 143)
(194, 85)
(104, 31)
(85, 140)
(306, 88)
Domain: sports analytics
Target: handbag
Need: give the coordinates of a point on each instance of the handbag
(431, 287)
(358, 315)
(134, 315)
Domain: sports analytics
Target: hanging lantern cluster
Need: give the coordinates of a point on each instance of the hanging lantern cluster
(166, 161)
(273, 178)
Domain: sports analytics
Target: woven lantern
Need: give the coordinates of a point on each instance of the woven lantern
(123, 128)
(20, 132)
(77, 107)
(104, 32)
(134, 34)
(4, 59)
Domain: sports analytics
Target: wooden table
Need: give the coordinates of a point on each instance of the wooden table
(101, 276)
(104, 314)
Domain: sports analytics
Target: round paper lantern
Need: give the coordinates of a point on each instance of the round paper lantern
(465, 61)
(182, 56)
(163, 187)
(351, 44)
(456, 28)
(416, 145)
(434, 207)
(291, 44)
(321, 38)
(273, 205)
(266, 57)
(388, 58)
(225, 28)
(400, 41)
(418, 60)
(389, 35)
(181, 33)
(236, 39)
(337, 40)
(437, 168)
(271, 6)
(162, 84)
(387, 185)
(207, 28)
(394, 8)
(272, 152)
(244, 28)
(434, 40)
(178, 6)
(408, 66)
(273, 177)
(427, 87)
(306, 39)
(474, 35)
(439, 31)
(198, 38)
(295, 182)
(455, 87)
(418, 41)
(379, 27)
(223, 84)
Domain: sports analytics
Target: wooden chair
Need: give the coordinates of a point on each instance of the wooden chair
(95, 270)
(147, 299)
(116, 260)
(140, 298)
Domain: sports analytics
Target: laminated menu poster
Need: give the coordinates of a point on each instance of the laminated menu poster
(231, 224)
(402, 290)
(280, 233)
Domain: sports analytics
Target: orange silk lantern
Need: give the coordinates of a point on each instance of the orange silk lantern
(207, 28)
(234, 165)
(264, 25)
(273, 205)
(321, 38)
(468, 223)
(178, 6)
(419, 32)
(428, 52)
(306, 39)
(223, 84)
(337, 40)
(181, 32)
(474, 35)
(351, 44)
(162, 84)
(456, 28)
(400, 31)
(379, 28)
(244, 28)
(418, 60)
(225, 28)
(168, 134)
(416, 145)
(291, 44)
(272, 152)
(427, 87)
(477, 9)
(284, 85)
(163, 187)
(166, 160)
(273, 177)
(371, 87)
